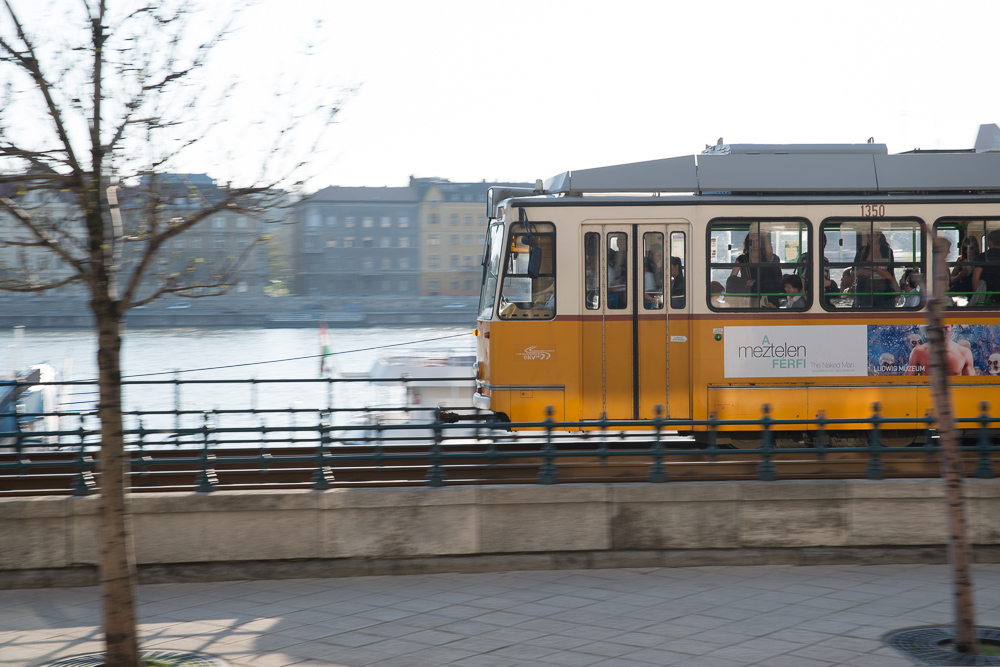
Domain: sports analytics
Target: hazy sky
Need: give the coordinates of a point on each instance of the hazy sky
(510, 90)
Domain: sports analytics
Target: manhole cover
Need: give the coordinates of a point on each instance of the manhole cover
(929, 645)
(157, 658)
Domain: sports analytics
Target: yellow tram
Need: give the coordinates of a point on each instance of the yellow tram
(788, 275)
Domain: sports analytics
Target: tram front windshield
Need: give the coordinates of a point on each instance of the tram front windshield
(491, 270)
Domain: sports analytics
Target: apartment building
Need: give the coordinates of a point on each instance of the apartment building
(358, 241)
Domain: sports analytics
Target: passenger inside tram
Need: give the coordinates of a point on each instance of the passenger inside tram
(960, 278)
(652, 280)
(910, 284)
(676, 283)
(792, 285)
(718, 293)
(758, 277)
(988, 273)
(875, 283)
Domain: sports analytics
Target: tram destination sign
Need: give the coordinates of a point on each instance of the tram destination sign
(786, 351)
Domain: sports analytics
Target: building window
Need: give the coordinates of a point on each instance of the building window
(196, 243)
(434, 261)
(453, 219)
(404, 263)
(386, 221)
(468, 219)
(331, 221)
(453, 261)
(434, 284)
(367, 265)
(349, 221)
(470, 284)
(386, 285)
(314, 220)
(454, 239)
(454, 283)
(241, 244)
(467, 239)
(433, 239)
(386, 264)
(435, 219)
(218, 222)
(241, 222)
(369, 242)
(404, 221)
(331, 242)
(385, 242)
(220, 242)
(404, 241)
(467, 260)
(179, 243)
(367, 222)
(404, 286)
(349, 242)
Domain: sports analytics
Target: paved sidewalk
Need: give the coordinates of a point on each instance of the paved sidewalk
(774, 616)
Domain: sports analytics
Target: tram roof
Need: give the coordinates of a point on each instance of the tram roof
(793, 169)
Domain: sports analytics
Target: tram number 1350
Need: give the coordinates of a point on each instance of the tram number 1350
(873, 210)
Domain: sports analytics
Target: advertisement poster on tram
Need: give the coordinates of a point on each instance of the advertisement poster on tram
(901, 349)
(856, 351)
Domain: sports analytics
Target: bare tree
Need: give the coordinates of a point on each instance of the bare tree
(110, 108)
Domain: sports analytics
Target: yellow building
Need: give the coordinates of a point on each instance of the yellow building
(452, 219)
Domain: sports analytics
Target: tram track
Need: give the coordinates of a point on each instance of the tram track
(66, 472)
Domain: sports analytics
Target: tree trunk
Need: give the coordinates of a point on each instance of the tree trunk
(951, 461)
(117, 564)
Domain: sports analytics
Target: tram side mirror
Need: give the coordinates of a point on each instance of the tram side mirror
(534, 262)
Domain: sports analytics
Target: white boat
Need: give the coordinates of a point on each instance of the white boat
(432, 379)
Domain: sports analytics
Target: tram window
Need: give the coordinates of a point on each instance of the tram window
(751, 260)
(592, 270)
(872, 264)
(617, 271)
(491, 270)
(652, 271)
(677, 265)
(525, 296)
(973, 262)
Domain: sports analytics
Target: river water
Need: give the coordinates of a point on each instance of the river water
(233, 354)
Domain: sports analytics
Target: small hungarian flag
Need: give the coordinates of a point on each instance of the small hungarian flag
(324, 350)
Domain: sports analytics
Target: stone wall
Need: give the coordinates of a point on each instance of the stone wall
(355, 525)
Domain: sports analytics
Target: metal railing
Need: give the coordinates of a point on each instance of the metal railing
(320, 447)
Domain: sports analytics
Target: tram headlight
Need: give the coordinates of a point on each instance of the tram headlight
(478, 370)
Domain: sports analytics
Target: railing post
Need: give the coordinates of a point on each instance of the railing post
(766, 472)
(821, 438)
(929, 436)
(547, 473)
(984, 469)
(177, 404)
(207, 478)
(83, 481)
(436, 476)
(875, 470)
(657, 474)
(323, 475)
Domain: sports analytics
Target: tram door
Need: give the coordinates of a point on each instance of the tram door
(627, 299)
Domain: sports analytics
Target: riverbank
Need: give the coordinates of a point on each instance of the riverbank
(227, 312)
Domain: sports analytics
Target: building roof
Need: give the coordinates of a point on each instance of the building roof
(337, 193)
